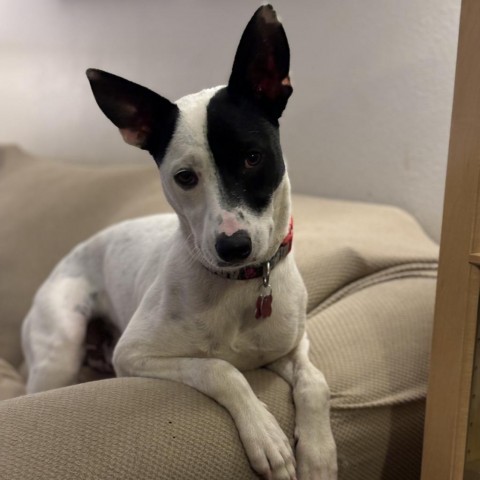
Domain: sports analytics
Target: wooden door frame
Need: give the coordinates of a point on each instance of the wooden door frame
(456, 305)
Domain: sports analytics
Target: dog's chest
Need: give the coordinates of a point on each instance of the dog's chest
(258, 343)
(224, 326)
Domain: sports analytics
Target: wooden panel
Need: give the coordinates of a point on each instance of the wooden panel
(473, 435)
(472, 472)
(459, 281)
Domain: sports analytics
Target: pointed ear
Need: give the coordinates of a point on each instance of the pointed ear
(261, 67)
(144, 118)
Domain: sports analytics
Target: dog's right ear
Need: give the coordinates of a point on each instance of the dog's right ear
(144, 118)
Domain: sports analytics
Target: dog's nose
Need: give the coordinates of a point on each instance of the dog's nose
(234, 247)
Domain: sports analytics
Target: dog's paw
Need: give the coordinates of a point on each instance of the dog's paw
(316, 460)
(268, 449)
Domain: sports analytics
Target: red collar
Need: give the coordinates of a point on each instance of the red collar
(257, 271)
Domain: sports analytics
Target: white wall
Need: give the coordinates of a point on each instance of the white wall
(373, 79)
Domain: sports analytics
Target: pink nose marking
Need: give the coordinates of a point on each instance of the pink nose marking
(229, 224)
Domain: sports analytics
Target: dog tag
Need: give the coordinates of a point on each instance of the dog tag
(264, 301)
(264, 304)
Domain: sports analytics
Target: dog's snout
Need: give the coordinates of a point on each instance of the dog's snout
(234, 247)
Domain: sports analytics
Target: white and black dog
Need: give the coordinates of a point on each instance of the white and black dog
(192, 292)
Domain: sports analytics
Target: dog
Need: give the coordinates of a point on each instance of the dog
(212, 290)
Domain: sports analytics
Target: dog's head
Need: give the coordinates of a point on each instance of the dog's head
(218, 150)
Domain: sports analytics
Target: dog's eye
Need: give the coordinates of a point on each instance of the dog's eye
(253, 159)
(186, 179)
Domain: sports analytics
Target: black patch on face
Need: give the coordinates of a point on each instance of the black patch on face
(162, 134)
(235, 127)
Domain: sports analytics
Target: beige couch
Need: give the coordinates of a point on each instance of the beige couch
(370, 273)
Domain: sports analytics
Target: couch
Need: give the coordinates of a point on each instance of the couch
(370, 273)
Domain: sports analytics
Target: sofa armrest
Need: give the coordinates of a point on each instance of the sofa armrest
(130, 428)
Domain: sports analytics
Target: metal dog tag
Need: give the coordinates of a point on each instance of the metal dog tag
(264, 300)
(264, 303)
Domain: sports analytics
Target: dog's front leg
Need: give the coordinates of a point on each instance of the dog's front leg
(315, 446)
(266, 445)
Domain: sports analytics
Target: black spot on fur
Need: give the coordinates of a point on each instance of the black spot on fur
(236, 127)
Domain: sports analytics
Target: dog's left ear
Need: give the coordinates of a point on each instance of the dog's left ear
(144, 118)
(261, 67)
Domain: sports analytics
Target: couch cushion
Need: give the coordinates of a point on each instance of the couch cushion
(373, 347)
(12, 383)
(130, 428)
